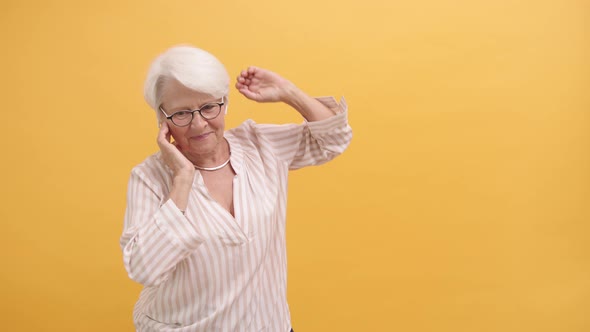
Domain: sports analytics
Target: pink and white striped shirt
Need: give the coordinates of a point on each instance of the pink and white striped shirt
(207, 270)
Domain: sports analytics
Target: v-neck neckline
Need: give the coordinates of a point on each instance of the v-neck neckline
(236, 222)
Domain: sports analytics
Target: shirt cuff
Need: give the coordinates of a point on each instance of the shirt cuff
(179, 229)
(339, 120)
(331, 103)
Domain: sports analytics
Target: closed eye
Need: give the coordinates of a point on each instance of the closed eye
(182, 113)
(208, 107)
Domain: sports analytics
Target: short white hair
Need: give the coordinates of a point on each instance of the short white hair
(194, 68)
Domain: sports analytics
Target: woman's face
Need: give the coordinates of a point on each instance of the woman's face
(201, 137)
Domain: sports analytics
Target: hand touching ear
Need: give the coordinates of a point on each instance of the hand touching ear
(171, 155)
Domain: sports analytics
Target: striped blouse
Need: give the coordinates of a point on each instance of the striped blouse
(207, 270)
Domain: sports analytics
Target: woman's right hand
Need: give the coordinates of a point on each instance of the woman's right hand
(172, 156)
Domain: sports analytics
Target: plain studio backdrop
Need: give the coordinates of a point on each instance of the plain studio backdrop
(462, 204)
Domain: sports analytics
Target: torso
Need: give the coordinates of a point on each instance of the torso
(220, 186)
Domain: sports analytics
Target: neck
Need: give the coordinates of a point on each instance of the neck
(213, 161)
(214, 168)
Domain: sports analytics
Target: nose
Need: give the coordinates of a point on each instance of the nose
(198, 121)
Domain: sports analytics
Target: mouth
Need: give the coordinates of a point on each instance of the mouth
(200, 137)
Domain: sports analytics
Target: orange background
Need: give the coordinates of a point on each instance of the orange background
(462, 204)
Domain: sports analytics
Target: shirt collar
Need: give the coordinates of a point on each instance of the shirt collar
(236, 151)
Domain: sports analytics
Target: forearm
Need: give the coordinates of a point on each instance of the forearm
(153, 248)
(180, 191)
(149, 255)
(156, 236)
(310, 143)
(310, 108)
(326, 139)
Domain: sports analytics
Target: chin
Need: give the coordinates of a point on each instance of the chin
(203, 147)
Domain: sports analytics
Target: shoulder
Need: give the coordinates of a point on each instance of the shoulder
(153, 171)
(246, 133)
(253, 131)
(151, 163)
(245, 129)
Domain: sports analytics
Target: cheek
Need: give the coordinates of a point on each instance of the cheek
(219, 125)
(178, 135)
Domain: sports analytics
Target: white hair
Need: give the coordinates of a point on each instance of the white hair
(194, 68)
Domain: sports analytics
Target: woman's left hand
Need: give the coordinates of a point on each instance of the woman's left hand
(263, 85)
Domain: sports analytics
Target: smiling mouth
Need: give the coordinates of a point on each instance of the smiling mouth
(200, 137)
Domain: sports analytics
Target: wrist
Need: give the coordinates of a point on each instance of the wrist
(291, 95)
(183, 178)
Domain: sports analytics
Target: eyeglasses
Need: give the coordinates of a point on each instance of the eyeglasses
(184, 118)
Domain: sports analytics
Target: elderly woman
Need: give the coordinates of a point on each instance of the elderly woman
(204, 228)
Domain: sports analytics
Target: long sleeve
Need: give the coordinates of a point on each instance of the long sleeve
(156, 235)
(311, 143)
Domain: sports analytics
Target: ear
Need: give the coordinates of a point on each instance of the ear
(160, 118)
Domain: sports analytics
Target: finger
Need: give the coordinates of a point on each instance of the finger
(163, 129)
(175, 143)
(164, 134)
(249, 94)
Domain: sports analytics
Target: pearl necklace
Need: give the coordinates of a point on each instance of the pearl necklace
(213, 168)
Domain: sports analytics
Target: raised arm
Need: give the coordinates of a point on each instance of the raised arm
(263, 86)
(323, 136)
